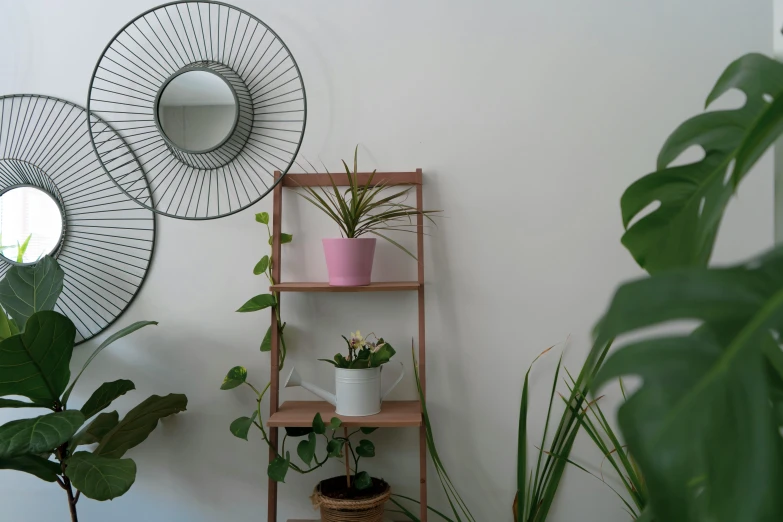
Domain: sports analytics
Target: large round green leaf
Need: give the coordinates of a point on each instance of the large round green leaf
(28, 289)
(692, 198)
(139, 423)
(39, 434)
(34, 364)
(241, 426)
(701, 426)
(100, 478)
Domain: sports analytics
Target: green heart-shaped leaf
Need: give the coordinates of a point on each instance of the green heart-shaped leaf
(362, 480)
(278, 468)
(266, 344)
(241, 426)
(318, 425)
(365, 448)
(100, 478)
(235, 377)
(259, 302)
(306, 449)
(335, 423)
(261, 266)
(334, 448)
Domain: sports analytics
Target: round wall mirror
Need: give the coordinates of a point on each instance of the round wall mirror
(197, 111)
(31, 224)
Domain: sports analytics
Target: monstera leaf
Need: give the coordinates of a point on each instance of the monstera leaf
(100, 478)
(702, 427)
(34, 364)
(28, 289)
(681, 232)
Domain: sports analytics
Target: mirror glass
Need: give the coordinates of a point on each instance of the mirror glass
(197, 111)
(30, 224)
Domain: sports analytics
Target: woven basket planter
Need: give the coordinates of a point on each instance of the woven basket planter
(345, 510)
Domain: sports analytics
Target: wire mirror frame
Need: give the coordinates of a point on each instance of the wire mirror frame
(108, 241)
(173, 38)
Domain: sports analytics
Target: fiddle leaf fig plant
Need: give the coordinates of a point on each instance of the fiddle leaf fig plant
(35, 365)
(705, 425)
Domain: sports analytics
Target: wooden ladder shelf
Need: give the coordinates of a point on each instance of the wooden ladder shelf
(394, 414)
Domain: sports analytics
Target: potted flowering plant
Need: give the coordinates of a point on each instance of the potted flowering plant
(359, 211)
(357, 377)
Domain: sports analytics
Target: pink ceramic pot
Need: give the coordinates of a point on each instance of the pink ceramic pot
(349, 261)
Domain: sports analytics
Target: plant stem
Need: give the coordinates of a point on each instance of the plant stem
(71, 500)
(62, 453)
(347, 465)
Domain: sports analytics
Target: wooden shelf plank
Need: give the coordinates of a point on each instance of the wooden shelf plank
(386, 286)
(318, 520)
(299, 414)
(341, 180)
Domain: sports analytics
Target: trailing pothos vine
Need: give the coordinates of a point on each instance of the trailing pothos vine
(306, 448)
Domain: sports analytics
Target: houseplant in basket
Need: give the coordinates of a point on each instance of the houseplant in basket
(361, 210)
(357, 378)
(355, 496)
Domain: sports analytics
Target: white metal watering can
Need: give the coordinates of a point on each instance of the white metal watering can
(357, 392)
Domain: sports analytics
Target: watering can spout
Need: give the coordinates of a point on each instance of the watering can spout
(294, 379)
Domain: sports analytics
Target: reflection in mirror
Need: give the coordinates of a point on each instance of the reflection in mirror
(31, 224)
(197, 111)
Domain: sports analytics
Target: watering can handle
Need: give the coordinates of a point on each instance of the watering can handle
(390, 388)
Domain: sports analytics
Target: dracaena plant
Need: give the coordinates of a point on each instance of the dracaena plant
(363, 352)
(705, 425)
(363, 209)
(36, 344)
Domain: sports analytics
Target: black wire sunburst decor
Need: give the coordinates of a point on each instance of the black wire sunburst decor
(172, 39)
(107, 240)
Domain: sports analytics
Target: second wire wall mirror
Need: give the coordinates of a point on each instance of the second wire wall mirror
(56, 200)
(208, 98)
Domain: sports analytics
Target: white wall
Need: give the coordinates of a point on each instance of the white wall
(528, 118)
